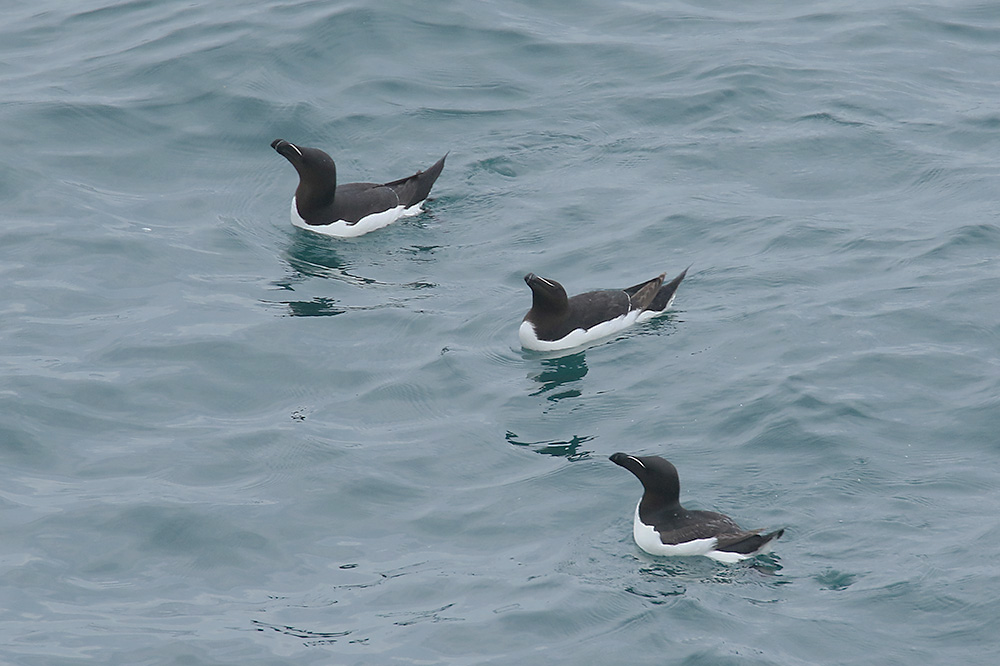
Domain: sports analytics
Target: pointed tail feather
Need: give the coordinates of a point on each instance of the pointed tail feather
(666, 293)
(663, 296)
(415, 188)
(641, 298)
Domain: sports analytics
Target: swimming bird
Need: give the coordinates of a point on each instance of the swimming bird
(351, 209)
(558, 322)
(663, 527)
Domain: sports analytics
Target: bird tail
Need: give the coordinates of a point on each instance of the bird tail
(663, 296)
(751, 542)
(644, 295)
(414, 189)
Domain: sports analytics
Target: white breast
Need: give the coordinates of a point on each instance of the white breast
(529, 339)
(342, 229)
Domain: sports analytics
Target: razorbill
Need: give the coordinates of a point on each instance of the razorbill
(557, 322)
(663, 527)
(351, 209)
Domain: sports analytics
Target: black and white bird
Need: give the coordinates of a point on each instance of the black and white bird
(351, 209)
(556, 321)
(663, 527)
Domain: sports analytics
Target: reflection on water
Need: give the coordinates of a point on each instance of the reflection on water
(556, 372)
(564, 449)
(317, 307)
(707, 570)
(314, 255)
(655, 594)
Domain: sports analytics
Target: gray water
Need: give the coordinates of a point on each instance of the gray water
(224, 440)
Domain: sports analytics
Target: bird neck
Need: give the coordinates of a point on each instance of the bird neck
(651, 503)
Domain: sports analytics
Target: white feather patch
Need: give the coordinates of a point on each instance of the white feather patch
(576, 337)
(649, 540)
(342, 229)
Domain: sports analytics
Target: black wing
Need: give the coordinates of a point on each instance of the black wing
(593, 307)
(353, 201)
(699, 525)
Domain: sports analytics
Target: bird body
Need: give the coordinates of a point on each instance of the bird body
(661, 526)
(350, 209)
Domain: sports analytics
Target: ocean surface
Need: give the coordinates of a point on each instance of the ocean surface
(224, 440)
